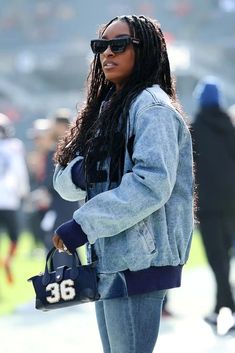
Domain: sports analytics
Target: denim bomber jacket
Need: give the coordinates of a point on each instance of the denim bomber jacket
(147, 220)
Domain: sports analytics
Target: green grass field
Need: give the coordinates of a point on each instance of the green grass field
(25, 265)
(29, 262)
(197, 255)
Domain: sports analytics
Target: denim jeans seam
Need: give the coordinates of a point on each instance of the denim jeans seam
(133, 340)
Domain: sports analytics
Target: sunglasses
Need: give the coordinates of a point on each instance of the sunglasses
(117, 45)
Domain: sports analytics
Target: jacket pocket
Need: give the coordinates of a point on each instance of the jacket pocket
(147, 237)
(140, 249)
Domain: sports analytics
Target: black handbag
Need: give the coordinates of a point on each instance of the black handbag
(65, 286)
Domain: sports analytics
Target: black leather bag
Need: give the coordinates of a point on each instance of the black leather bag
(65, 286)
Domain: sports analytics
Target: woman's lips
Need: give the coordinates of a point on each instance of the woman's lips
(109, 65)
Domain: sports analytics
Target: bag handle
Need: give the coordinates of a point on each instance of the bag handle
(49, 258)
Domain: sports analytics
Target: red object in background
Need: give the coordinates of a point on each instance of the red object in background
(183, 9)
(9, 274)
(6, 264)
(12, 114)
(169, 37)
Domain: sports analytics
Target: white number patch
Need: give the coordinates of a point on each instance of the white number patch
(64, 290)
(67, 289)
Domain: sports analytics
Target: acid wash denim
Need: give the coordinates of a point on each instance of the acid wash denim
(147, 220)
(130, 325)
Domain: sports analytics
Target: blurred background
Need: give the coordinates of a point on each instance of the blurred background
(44, 61)
(45, 49)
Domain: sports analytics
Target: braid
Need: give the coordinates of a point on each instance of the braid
(151, 67)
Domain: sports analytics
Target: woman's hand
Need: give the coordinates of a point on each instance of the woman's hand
(71, 234)
(58, 243)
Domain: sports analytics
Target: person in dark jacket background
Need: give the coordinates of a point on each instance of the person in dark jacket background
(60, 210)
(214, 155)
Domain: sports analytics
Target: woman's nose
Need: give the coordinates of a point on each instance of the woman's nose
(108, 51)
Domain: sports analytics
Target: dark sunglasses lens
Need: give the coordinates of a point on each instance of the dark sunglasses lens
(119, 45)
(118, 48)
(98, 46)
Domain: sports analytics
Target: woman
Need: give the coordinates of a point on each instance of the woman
(134, 148)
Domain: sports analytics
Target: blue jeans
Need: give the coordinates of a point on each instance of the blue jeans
(130, 324)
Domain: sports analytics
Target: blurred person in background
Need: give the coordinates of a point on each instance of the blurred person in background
(40, 199)
(59, 210)
(214, 152)
(49, 209)
(231, 113)
(14, 187)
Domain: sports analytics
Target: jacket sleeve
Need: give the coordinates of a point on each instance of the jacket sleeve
(147, 187)
(63, 184)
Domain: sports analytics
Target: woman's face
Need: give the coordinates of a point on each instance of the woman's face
(117, 67)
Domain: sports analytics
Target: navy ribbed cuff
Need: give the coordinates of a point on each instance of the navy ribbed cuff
(72, 235)
(78, 174)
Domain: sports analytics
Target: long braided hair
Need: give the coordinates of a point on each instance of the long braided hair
(151, 67)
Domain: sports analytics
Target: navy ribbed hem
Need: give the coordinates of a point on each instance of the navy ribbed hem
(153, 278)
(72, 235)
